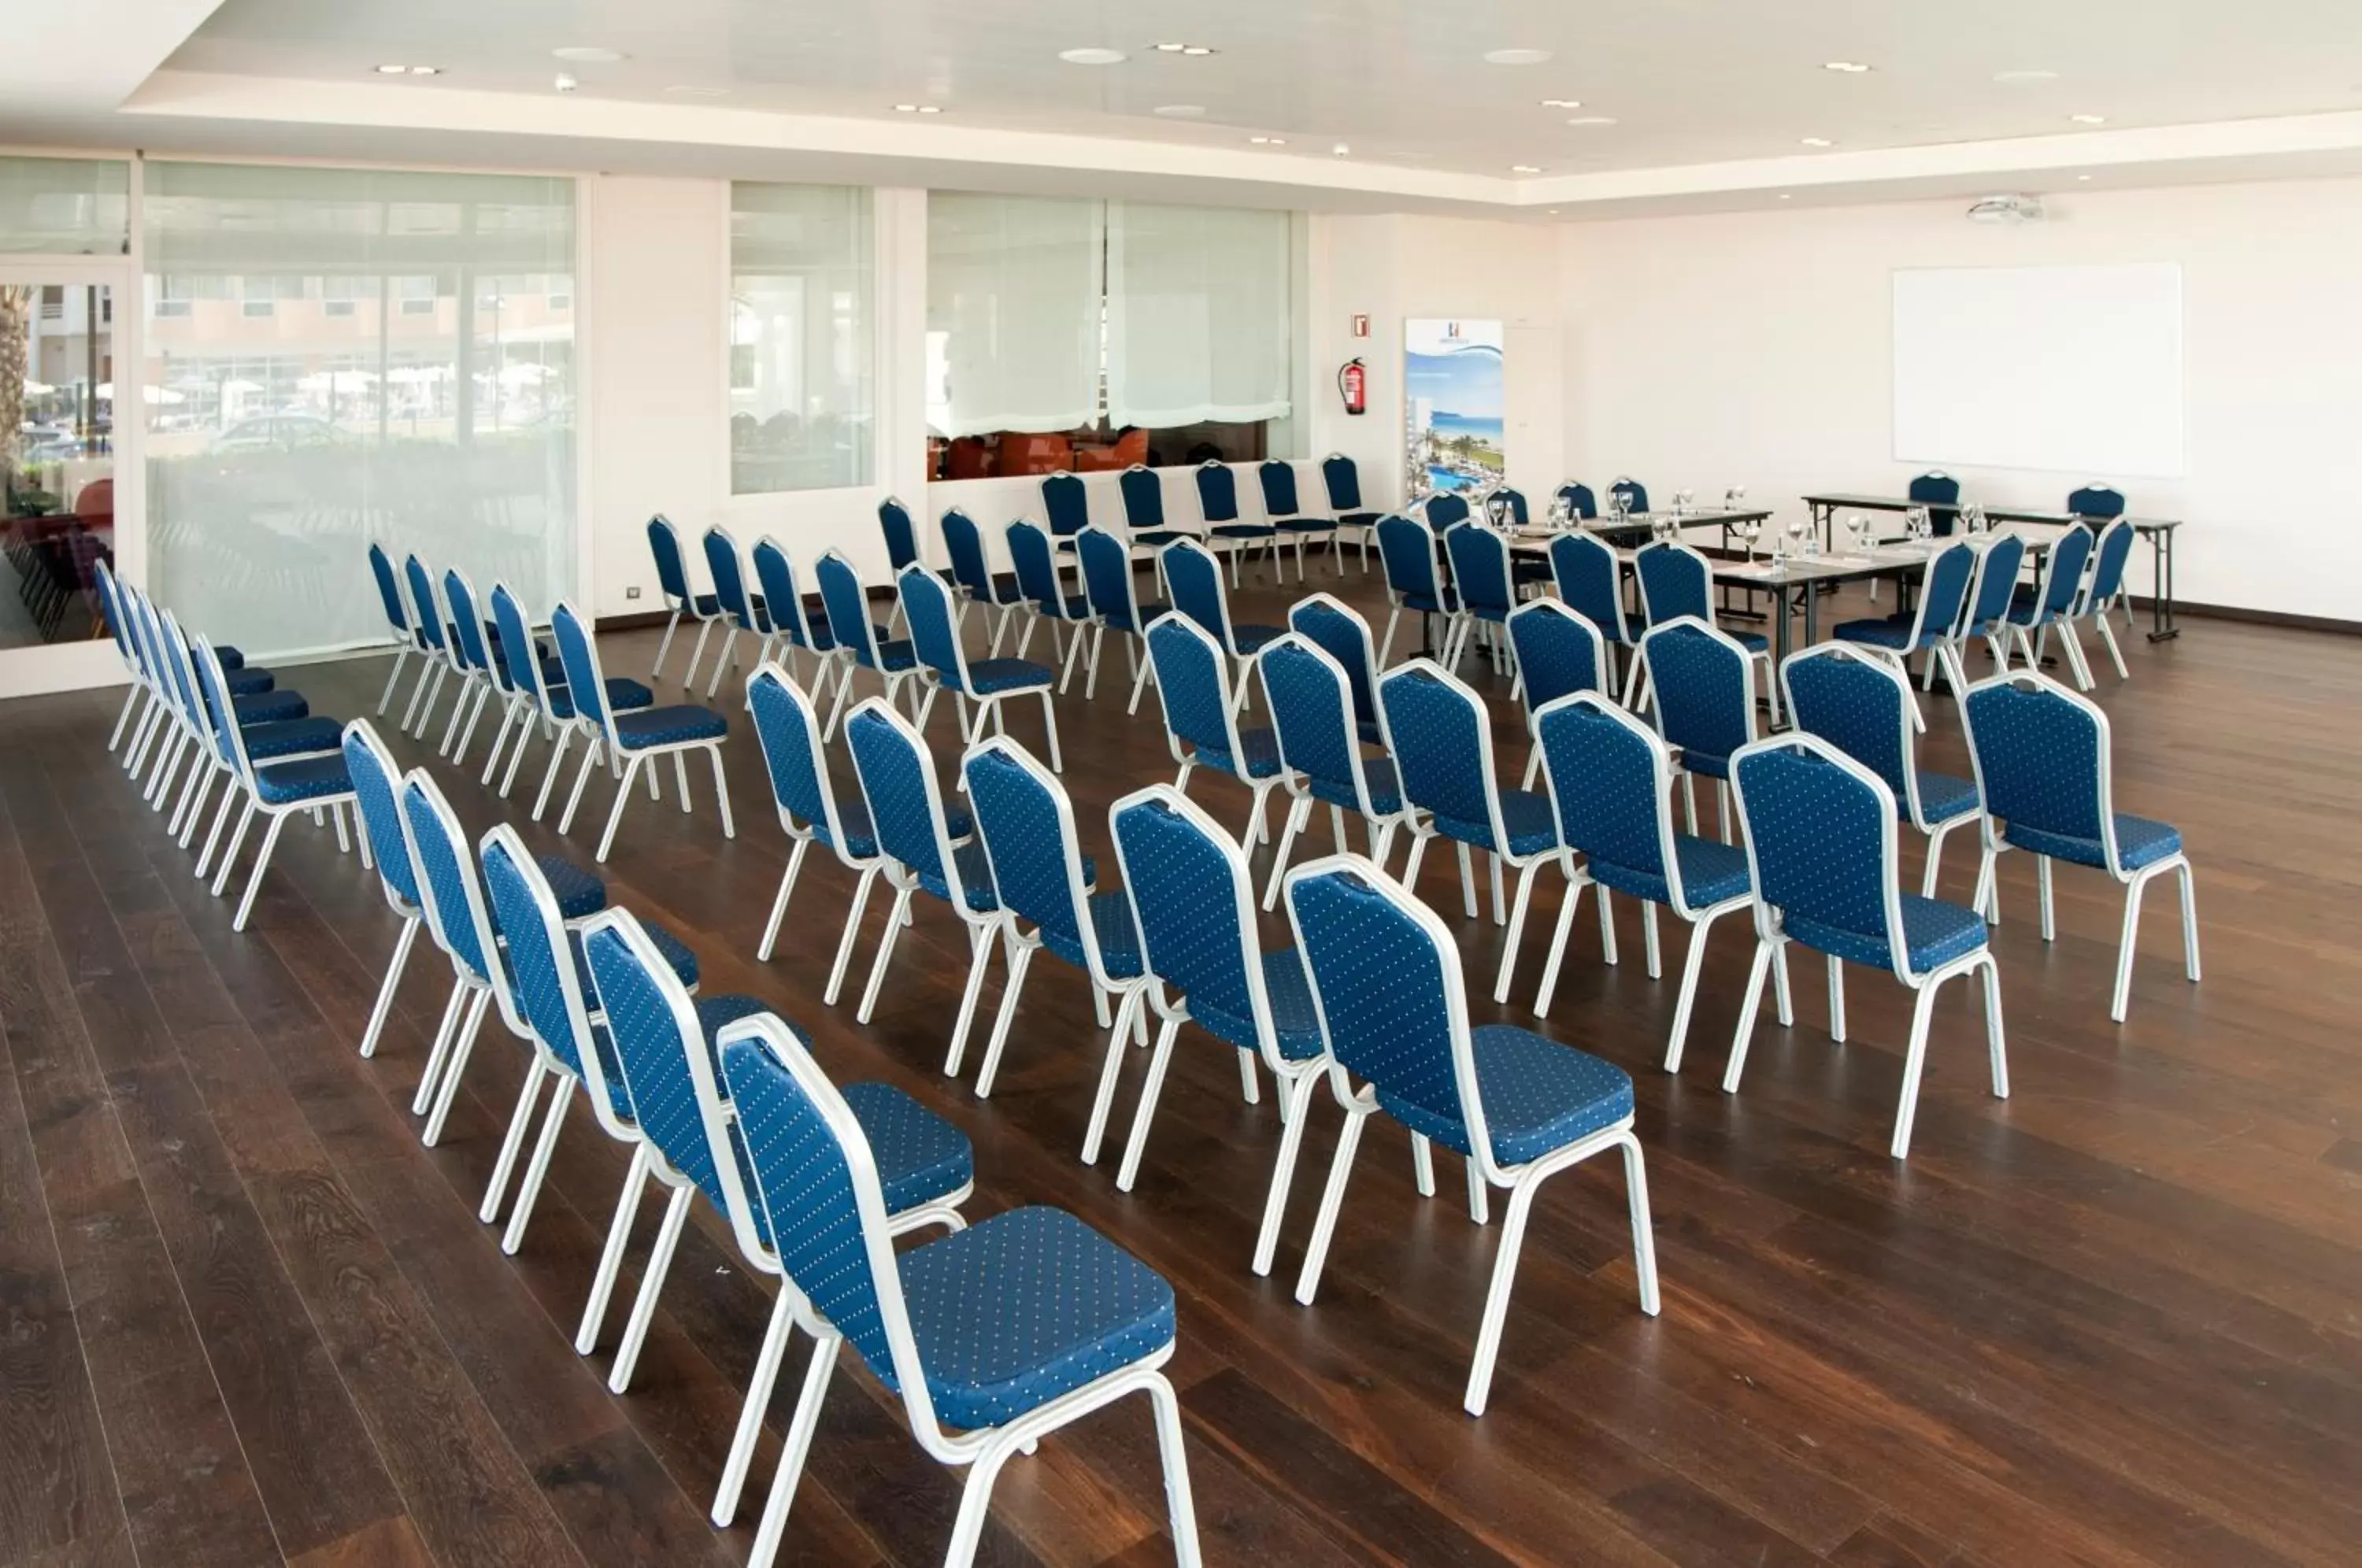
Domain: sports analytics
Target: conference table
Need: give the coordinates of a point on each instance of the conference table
(2161, 533)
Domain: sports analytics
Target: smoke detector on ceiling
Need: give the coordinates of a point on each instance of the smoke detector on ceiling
(2006, 209)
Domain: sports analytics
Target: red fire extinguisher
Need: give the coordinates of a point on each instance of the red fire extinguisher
(1353, 385)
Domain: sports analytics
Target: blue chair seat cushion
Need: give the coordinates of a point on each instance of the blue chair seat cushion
(681, 725)
(1378, 774)
(1525, 569)
(1539, 1095)
(309, 779)
(2139, 842)
(1157, 539)
(579, 893)
(707, 604)
(623, 696)
(1244, 531)
(976, 875)
(1253, 639)
(1029, 1305)
(1532, 826)
(1893, 632)
(894, 653)
(1442, 602)
(1712, 872)
(1148, 615)
(723, 1011)
(1262, 747)
(1357, 519)
(1119, 937)
(678, 956)
(1943, 796)
(1753, 642)
(228, 657)
(248, 682)
(1005, 590)
(861, 836)
(1288, 993)
(2027, 611)
(290, 737)
(1934, 933)
(1304, 525)
(992, 677)
(921, 1158)
(270, 708)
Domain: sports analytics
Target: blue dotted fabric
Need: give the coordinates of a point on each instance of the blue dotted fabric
(1446, 512)
(422, 594)
(1891, 632)
(668, 726)
(290, 737)
(1189, 683)
(388, 594)
(1856, 708)
(1943, 797)
(373, 786)
(920, 1157)
(901, 536)
(267, 708)
(2115, 548)
(313, 778)
(1310, 708)
(1603, 773)
(1018, 817)
(229, 658)
(1934, 932)
(1437, 753)
(848, 609)
(898, 655)
(1557, 653)
(512, 643)
(1144, 499)
(894, 779)
(992, 677)
(1525, 815)
(1380, 983)
(1635, 494)
(248, 682)
(2139, 842)
(1378, 774)
(1702, 704)
(729, 581)
(533, 973)
(1243, 531)
(1037, 572)
(582, 663)
(777, 574)
(1345, 482)
(2097, 501)
(1066, 503)
(579, 892)
(467, 625)
(1480, 570)
(2038, 754)
(1673, 583)
(1197, 585)
(1539, 1095)
(1345, 637)
(2002, 558)
(1186, 894)
(965, 545)
(1030, 1304)
(975, 868)
(1579, 499)
(1294, 1023)
(444, 863)
(1279, 496)
(1406, 552)
(1711, 871)
(1218, 493)
(672, 573)
(935, 630)
(2062, 578)
(789, 734)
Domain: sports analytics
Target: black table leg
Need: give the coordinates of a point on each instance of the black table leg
(2163, 626)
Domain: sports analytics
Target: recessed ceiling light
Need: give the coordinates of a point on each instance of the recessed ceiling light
(1179, 111)
(2083, 176)
(426, 70)
(2025, 78)
(1516, 56)
(918, 109)
(1189, 48)
(1091, 56)
(1787, 197)
(1818, 141)
(581, 54)
(1268, 140)
(1848, 67)
(1562, 103)
(1342, 150)
(1592, 120)
(2089, 120)
(1197, 49)
(1553, 212)
(393, 70)
(565, 83)
(1523, 169)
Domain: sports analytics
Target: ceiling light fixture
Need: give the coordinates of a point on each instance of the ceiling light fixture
(1562, 103)
(1094, 56)
(2083, 176)
(581, 54)
(1523, 169)
(393, 70)
(426, 70)
(1846, 67)
(1818, 141)
(918, 109)
(1268, 140)
(1787, 197)
(1187, 48)
(565, 83)
(2089, 120)
(1592, 120)
(1516, 56)
(1342, 150)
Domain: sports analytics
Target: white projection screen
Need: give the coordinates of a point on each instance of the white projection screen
(2073, 370)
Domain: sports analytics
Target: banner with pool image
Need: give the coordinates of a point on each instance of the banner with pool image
(1451, 405)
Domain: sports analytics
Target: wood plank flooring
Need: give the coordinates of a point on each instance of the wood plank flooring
(246, 1319)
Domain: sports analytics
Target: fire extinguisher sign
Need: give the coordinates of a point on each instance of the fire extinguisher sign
(1361, 325)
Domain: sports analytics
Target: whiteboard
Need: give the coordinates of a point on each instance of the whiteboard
(2073, 370)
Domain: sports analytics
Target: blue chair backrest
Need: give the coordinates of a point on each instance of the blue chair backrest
(653, 1041)
(1143, 498)
(1606, 776)
(847, 604)
(542, 977)
(1590, 580)
(1996, 580)
(422, 600)
(783, 599)
(1634, 493)
(2062, 574)
(790, 732)
(1190, 679)
(902, 534)
(1278, 479)
(934, 624)
(1945, 588)
(1381, 983)
(1345, 482)
(1027, 825)
(1188, 889)
(2097, 501)
(1344, 636)
(389, 592)
(110, 605)
(447, 870)
(672, 570)
(729, 578)
(520, 661)
(466, 619)
(1479, 568)
(1196, 578)
(1935, 490)
(1037, 567)
(213, 709)
(897, 779)
(1312, 710)
(1066, 503)
(1675, 581)
(1509, 504)
(964, 543)
(1560, 652)
(2040, 754)
(1406, 552)
(1107, 579)
(580, 662)
(1579, 499)
(1435, 731)
(1856, 703)
(1445, 510)
(1218, 493)
(1705, 688)
(375, 776)
(1820, 838)
(2115, 548)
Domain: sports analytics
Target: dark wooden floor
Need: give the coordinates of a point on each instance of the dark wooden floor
(246, 1319)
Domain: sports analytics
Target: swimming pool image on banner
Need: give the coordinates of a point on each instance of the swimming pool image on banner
(1451, 405)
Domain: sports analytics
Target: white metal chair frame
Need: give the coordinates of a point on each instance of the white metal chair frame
(1381, 825)
(847, 654)
(243, 771)
(1640, 659)
(439, 662)
(603, 738)
(1067, 650)
(411, 915)
(1188, 757)
(988, 704)
(1747, 669)
(1937, 832)
(793, 626)
(1135, 650)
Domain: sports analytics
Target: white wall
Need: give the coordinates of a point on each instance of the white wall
(1756, 349)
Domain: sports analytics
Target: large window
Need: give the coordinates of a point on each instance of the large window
(341, 356)
(1068, 334)
(802, 343)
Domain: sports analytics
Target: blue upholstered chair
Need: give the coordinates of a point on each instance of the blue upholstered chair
(1928, 628)
(1560, 652)
(1591, 581)
(1001, 1333)
(2105, 588)
(1704, 683)
(2097, 501)
(1939, 493)
(906, 811)
(276, 725)
(376, 775)
(1027, 823)
(2052, 604)
(1142, 492)
(1191, 889)
(1195, 579)
(1444, 511)
(1406, 554)
(1632, 493)
(537, 691)
(1344, 636)
(673, 589)
(1115, 606)
(1862, 706)
(861, 642)
(1820, 832)
(933, 619)
(435, 625)
(1342, 477)
(407, 637)
(901, 536)
(118, 627)
(1581, 506)
(1067, 505)
(1201, 721)
(314, 781)
(634, 739)
(1675, 582)
(1986, 611)
(471, 659)
(1441, 741)
(1321, 746)
(2046, 769)
(742, 609)
(1036, 560)
(1610, 785)
(1486, 586)
(1218, 503)
(999, 592)
(1393, 1006)
(1283, 507)
(793, 621)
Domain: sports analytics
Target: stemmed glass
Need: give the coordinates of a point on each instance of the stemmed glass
(1749, 530)
(1858, 526)
(1797, 528)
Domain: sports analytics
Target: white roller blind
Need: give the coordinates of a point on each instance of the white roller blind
(65, 206)
(1012, 313)
(801, 337)
(1197, 314)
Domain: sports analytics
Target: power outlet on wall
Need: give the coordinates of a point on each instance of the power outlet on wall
(633, 592)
